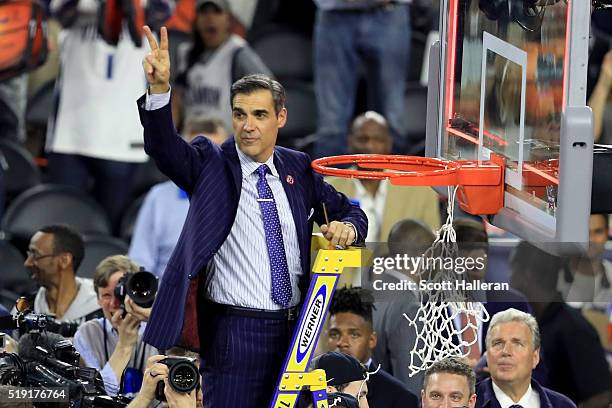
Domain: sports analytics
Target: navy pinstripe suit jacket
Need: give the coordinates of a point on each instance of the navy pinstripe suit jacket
(212, 178)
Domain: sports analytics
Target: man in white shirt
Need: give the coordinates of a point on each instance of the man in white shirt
(513, 351)
(449, 383)
(384, 203)
(54, 254)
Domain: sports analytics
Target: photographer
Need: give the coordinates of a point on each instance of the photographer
(154, 373)
(113, 344)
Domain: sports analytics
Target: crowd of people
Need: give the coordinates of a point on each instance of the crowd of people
(526, 353)
(228, 237)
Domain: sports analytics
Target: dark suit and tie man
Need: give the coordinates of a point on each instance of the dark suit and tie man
(513, 351)
(449, 383)
(235, 278)
(351, 332)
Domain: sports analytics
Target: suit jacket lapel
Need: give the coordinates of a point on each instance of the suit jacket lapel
(229, 149)
(291, 190)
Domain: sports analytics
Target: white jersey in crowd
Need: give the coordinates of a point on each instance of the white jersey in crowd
(97, 88)
(208, 84)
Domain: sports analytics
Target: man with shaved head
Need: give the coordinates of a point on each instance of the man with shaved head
(383, 203)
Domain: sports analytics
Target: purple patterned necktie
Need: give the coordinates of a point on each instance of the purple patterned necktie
(516, 406)
(281, 285)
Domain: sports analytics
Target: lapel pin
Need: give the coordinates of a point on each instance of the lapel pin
(290, 179)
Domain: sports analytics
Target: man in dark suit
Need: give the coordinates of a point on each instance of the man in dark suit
(396, 338)
(235, 278)
(513, 351)
(351, 332)
(576, 361)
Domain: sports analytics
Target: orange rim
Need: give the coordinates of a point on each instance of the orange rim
(481, 183)
(396, 166)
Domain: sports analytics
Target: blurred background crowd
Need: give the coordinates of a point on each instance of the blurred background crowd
(71, 153)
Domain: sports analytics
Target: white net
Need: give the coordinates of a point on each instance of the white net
(437, 334)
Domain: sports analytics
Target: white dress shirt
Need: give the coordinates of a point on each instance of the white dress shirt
(531, 399)
(240, 272)
(373, 206)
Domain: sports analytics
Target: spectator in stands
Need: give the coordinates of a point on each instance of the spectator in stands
(601, 103)
(573, 354)
(94, 139)
(585, 280)
(513, 351)
(202, 125)
(154, 373)
(348, 35)
(344, 373)
(54, 255)
(396, 338)
(384, 203)
(163, 212)
(351, 332)
(217, 58)
(114, 342)
(449, 383)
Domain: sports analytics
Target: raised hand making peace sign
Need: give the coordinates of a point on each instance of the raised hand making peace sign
(156, 64)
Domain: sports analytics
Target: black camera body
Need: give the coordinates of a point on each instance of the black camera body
(46, 359)
(183, 376)
(85, 385)
(140, 286)
(29, 322)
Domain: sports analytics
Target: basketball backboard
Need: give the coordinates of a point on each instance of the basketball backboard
(510, 80)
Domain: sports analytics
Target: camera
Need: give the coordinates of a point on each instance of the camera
(48, 360)
(183, 376)
(41, 322)
(140, 286)
(27, 322)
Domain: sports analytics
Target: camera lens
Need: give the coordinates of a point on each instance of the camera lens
(183, 376)
(142, 287)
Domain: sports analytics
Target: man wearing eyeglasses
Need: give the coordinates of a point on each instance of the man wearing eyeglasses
(54, 254)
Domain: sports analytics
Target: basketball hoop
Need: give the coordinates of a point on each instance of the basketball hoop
(479, 187)
(480, 183)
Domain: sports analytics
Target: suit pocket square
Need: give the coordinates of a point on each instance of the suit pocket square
(310, 214)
